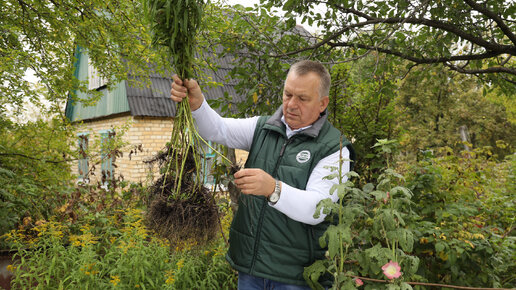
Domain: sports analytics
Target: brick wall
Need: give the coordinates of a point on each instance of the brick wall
(151, 133)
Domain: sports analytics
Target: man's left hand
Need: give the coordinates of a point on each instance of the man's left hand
(255, 181)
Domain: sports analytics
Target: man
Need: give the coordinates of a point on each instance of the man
(274, 234)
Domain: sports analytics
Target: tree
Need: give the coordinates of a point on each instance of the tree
(42, 36)
(469, 36)
(253, 41)
(362, 107)
(433, 109)
(33, 169)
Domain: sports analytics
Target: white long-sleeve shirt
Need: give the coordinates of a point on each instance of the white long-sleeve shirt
(297, 204)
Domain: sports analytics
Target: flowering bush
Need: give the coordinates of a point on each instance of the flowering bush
(466, 232)
(391, 270)
(118, 252)
(435, 226)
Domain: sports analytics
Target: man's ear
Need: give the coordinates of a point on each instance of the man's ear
(323, 102)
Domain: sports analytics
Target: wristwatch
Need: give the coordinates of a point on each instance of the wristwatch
(274, 197)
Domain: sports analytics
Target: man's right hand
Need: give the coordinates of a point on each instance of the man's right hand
(181, 89)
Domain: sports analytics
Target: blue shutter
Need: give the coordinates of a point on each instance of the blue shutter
(82, 144)
(207, 163)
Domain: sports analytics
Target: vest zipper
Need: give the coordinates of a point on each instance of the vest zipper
(258, 235)
(262, 210)
(282, 151)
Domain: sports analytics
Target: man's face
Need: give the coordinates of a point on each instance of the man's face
(302, 103)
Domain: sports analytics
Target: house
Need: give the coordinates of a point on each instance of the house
(146, 114)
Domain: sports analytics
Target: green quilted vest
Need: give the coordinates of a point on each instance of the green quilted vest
(263, 241)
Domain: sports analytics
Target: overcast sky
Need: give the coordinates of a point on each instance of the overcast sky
(251, 3)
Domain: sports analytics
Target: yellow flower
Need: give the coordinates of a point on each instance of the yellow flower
(429, 252)
(180, 263)
(115, 280)
(170, 280)
(27, 221)
(88, 269)
(443, 256)
(470, 243)
(479, 236)
(423, 240)
(170, 277)
(85, 228)
(75, 241)
(11, 268)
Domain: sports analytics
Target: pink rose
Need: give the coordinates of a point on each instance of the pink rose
(391, 270)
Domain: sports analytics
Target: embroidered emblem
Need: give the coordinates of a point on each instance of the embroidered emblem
(303, 156)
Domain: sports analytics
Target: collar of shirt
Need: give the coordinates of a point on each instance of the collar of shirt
(291, 132)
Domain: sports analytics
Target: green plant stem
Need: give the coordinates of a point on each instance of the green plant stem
(428, 284)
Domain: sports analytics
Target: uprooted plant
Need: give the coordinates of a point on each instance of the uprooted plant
(179, 205)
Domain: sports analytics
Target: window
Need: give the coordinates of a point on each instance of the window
(106, 154)
(82, 145)
(209, 159)
(95, 81)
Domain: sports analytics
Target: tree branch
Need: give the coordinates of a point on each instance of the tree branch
(12, 155)
(429, 284)
(416, 59)
(494, 69)
(490, 14)
(317, 45)
(345, 9)
(452, 29)
(448, 27)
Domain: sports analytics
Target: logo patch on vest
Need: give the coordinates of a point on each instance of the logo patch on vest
(303, 156)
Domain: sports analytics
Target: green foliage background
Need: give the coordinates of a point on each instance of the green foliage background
(444, 213)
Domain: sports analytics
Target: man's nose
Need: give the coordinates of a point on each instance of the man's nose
(293, 103)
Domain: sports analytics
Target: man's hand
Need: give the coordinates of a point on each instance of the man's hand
(255, 181)
(181, 89)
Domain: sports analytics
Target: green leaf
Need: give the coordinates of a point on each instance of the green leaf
(440, 246)
(313, 272)
(405, 191)
(368, 188)
(379, 195)
(335, 237)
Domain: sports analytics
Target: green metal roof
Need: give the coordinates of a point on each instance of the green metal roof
(112, 102)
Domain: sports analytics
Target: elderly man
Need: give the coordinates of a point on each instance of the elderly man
(274, 234)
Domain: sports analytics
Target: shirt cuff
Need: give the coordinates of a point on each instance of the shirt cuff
(201, 108)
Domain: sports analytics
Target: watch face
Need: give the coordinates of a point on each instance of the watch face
(274, 197)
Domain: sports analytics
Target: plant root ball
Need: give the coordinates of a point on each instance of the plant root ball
(192, 214)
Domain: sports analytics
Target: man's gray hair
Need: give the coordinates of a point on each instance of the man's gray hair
(304, 67)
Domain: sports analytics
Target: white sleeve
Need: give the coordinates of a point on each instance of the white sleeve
(233, 133)
(300, 205)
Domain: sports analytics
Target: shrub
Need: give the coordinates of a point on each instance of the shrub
(115, 250)
(448, 220)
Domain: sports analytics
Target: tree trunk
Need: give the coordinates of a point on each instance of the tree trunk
(464, 137)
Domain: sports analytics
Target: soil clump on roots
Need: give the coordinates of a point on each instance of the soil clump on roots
(178, 216)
